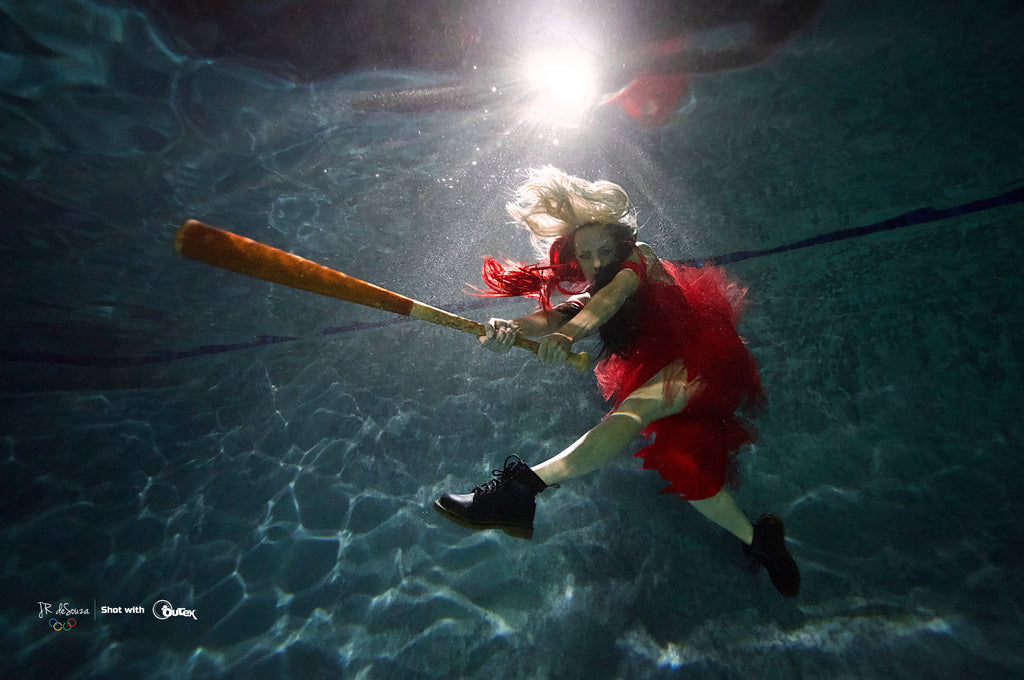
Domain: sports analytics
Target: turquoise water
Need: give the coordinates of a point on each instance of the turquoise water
(155, 448)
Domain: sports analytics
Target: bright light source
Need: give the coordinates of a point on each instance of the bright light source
(565, 79)
(563, 85)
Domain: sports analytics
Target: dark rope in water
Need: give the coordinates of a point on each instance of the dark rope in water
(914, 217)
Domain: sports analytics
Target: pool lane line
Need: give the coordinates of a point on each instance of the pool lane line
(912, 218)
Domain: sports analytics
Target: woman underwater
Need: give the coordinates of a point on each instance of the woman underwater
(672, 364)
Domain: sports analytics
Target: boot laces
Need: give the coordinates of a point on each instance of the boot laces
(501, 477)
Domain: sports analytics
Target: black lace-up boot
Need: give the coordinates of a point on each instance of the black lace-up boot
(769, 549)
(507, 502)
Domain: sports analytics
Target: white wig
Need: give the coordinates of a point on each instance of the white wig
(552, 203)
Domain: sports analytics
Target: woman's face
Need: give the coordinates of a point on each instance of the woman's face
(596, 249)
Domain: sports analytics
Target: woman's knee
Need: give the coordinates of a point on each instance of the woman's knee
(666, 394)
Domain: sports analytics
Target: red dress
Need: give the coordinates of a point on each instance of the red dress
(693, 320)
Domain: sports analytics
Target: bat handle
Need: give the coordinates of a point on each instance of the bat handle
(579, 360)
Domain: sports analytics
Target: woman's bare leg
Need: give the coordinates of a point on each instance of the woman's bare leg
(723, 511)
(605, 441)
(666, 394)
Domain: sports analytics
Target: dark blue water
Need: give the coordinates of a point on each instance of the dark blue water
(156, 447)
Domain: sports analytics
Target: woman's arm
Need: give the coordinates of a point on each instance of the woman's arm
(603, 305)
(501, 333)
(541, 322)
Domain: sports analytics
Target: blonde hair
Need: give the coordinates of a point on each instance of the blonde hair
(552, 203)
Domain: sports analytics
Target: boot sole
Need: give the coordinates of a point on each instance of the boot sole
(516, 531)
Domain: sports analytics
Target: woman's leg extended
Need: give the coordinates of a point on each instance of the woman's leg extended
(601, 444)
(764, 541)
(723, 511)
(509, 501)
(666, 394)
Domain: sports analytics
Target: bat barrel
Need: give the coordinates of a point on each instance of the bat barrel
(201, 242)
(241, 255)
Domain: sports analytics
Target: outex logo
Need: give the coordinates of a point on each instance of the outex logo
(162, 609)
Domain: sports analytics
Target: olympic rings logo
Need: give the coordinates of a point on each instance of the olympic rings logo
(62, 624)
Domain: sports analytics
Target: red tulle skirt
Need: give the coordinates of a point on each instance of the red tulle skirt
(693, 321)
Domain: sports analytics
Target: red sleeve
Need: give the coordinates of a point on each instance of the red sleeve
(639, 268)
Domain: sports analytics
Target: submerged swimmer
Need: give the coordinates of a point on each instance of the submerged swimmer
(673, 364)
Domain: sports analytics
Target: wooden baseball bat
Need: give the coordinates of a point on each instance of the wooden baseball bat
(198, 241)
